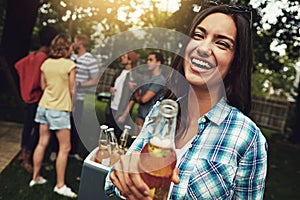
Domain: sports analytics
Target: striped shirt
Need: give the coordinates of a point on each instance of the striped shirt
(86, 67)
(227, 159)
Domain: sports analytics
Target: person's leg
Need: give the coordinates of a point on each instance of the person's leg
(117, 127)
(63, 137)
(63, 126)
(54, 146)
(26, 132)
(75, 126)
(74, 136)
(111, 122)
(40, 150)
(34, 137)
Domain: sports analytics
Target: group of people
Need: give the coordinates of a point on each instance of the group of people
(52, 82)
(129, 87)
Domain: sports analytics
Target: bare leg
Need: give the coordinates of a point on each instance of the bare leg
(64, 141)
(39, 151)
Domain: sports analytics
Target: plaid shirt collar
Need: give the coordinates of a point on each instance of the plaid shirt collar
(219, 112)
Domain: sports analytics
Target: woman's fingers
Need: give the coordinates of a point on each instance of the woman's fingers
(115, 180)
(140, 188)
(121, 173)
(175, 176)
(127, 179)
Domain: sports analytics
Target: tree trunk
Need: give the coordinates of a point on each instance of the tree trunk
(15, 43)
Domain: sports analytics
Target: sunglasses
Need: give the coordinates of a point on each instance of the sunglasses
(245, 11)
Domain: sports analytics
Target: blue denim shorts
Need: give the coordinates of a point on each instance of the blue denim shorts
(56, 119)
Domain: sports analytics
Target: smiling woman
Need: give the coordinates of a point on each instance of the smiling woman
(221, 152)
(210, 50)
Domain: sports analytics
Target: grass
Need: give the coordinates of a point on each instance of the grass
(282, 179)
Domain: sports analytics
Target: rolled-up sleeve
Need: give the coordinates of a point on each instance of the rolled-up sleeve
(252, 171)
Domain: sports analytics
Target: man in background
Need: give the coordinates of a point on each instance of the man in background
(29, 72)
(121, 91)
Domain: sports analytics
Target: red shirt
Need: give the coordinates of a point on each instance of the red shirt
(29, 70)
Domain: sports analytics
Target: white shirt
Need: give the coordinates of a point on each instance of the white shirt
(117, 95)
(179, 154)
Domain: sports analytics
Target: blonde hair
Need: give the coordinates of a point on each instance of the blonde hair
(84, 39)
(60, 46)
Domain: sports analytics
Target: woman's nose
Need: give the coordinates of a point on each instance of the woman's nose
(204, 49)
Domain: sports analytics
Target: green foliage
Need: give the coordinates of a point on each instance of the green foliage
(271, 66)
(258, 82)
(99, 19)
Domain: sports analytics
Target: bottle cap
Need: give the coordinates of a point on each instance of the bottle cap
(103, 127)
(127, 127)
(110, 129)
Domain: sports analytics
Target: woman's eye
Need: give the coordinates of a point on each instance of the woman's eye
(224, 45)
(197, 36)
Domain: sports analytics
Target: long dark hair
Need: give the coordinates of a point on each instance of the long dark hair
(238, 80)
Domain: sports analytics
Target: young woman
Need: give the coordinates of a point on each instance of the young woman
(53, 113)
(221, 153)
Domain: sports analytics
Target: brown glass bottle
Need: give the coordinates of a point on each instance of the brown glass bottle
(158, 157)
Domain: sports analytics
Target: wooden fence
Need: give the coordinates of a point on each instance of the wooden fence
(270, 114)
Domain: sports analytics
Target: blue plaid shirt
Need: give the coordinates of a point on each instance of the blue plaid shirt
(227, 159)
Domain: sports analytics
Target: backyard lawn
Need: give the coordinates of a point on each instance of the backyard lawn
(282, 180)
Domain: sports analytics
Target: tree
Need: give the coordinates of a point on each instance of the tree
(278, 69)
(15, 43)
(17, 30)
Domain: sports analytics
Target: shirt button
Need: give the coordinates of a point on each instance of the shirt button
(203, 119)
(190, 146)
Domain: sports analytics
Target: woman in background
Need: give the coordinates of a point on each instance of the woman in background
(53, 113)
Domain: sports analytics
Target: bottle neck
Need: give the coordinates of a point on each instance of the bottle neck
(165, 125)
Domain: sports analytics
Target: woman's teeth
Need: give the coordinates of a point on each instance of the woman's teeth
(201, 64)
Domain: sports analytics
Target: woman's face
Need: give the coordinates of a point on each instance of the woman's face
(210, 52)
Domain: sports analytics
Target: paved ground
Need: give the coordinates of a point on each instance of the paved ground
(10, 137)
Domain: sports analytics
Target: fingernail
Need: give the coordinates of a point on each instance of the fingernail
(146, 192)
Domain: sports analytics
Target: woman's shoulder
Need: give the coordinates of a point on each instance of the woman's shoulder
(239, 123)
(246, 127)
(246, 119)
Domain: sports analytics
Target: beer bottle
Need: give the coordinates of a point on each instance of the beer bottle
(124, 138)
(102, 155)
(158, 157)
(114, 147)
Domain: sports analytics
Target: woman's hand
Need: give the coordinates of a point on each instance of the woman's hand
(127, 179)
